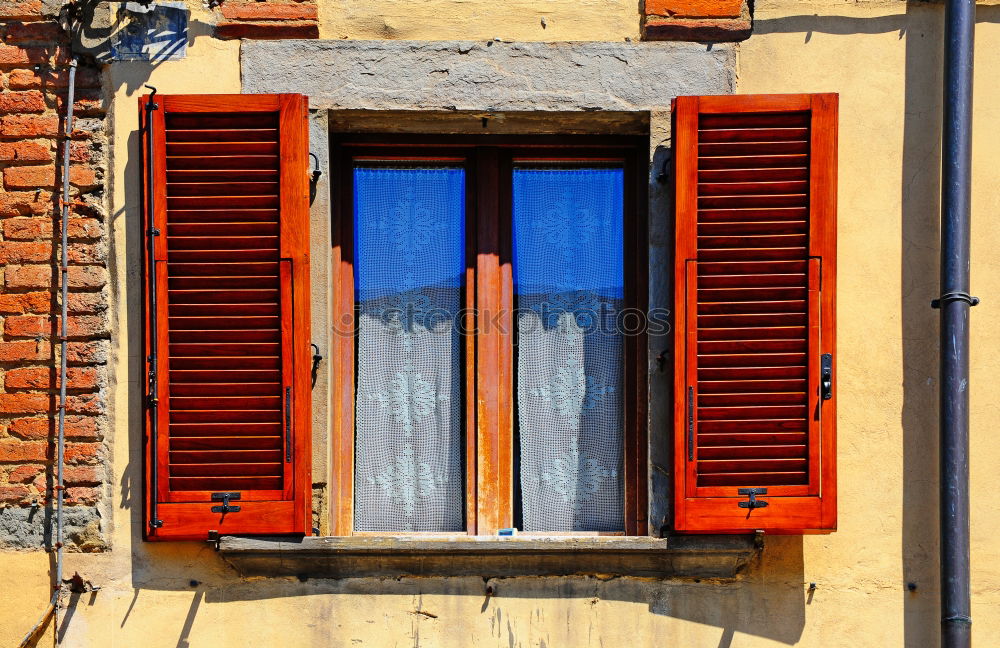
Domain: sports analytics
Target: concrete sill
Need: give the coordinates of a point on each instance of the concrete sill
(718, 556)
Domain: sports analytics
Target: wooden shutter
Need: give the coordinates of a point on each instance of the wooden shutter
(755, 273)
(230, 270)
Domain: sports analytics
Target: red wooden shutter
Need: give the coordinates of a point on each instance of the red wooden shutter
(755, 273)
(229, 266)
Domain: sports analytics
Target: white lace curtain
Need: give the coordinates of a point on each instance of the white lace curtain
(569, 282)
(409, 262)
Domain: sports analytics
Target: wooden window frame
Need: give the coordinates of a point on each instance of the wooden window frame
(488, 355)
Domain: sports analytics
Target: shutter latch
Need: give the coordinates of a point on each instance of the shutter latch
(826, 375)
(224, 498)
(752, 501)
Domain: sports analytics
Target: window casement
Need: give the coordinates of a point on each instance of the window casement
(482, 377)
(488, 343)
(226, 307)
(755, 281)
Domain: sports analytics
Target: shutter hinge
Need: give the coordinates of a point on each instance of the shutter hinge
(690, 422)
(288, 425)
(752, 501)
(155, 524)
(225, 498)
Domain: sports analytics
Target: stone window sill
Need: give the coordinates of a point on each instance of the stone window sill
(703, 556)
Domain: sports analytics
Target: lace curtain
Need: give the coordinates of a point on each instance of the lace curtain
(569, 283)
(409, 261)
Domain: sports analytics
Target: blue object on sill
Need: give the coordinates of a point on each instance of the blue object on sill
(507, 532)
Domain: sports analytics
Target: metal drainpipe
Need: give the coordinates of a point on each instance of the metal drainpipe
(61, 435)
(955, 301)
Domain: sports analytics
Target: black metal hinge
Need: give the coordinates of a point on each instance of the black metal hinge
(752, 501)
(225, 498)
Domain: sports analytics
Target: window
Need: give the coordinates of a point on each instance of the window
(486, 381)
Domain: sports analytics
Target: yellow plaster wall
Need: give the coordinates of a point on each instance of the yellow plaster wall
(564, 20)
(884, 59)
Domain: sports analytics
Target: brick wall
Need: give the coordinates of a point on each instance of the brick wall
(33, 83)
(267, 19)
(697, 20)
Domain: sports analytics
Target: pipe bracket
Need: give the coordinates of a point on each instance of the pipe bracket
(956, 295)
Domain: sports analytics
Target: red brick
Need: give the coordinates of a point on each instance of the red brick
(17, 252)
(29, 126)
(701, 31)
(87, 277)
(23, 450)
(26, 229)
(75, 427)
(80, 176)
(14, 494)
(82, 475)
(27, 326)
(23, 403)
(79, 453)
(80, 151)
(28, 177)
(25, 474)
(31, 302)
(11, 9)
(84, 404)
(267, 30)
(23, 350)
(80, 427)
(87, 303)
(86, 326)
(87, 102)
(85, 228)
(269, 11)
(29, 276)
(31, 101)
(14, 55)
(87, 253)
(695, 8)
(31, 428)
(28, 151)
(82, 495)
(18, 32)
(86, 352)
(25, 203)
(46, 378)
(21, 79)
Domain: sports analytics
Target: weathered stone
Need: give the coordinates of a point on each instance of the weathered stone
(342, 557)
(30, 527)
(494, 76)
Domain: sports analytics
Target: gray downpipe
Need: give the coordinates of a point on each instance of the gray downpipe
(64, 312)
(955, 301)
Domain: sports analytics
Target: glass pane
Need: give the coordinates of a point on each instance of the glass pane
(409, 260)
(569, 283)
